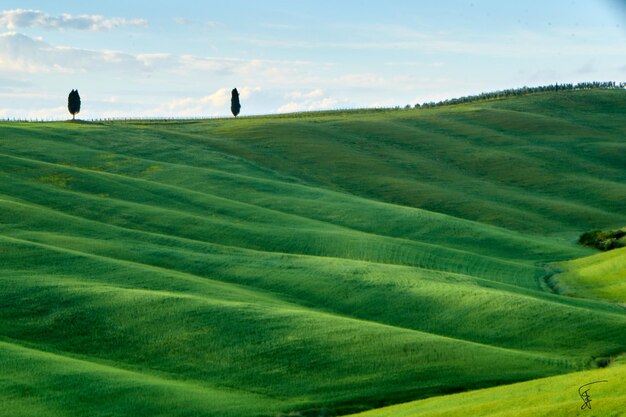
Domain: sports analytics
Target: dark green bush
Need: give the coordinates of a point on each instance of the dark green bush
(598, 239)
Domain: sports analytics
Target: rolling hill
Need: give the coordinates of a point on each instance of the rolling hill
(601, 276)
(313, 264)
(556, 396)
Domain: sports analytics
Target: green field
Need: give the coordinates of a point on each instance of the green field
(311, 264)
(555, 396)
(601, 276)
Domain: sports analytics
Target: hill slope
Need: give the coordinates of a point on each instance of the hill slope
(556, 396)
(601, 276)
(337, 261)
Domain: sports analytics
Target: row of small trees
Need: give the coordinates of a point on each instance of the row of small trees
(73, 103)
(513, 92)
(73, 100)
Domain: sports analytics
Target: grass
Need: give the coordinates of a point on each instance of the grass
(554, 397)
(317, 263)
(601, 276)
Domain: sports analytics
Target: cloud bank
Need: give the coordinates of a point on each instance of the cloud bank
(24, 54)
(21, 18)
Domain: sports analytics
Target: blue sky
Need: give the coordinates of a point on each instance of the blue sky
(164, 58)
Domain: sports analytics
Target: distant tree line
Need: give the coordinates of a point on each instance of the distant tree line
(74, 101)
(514, 92)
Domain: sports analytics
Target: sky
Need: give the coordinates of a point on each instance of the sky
(140, 58)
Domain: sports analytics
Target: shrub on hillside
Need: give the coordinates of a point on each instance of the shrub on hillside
(608, 240)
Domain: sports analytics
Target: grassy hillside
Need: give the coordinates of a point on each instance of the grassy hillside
(548, 397)
(601, 276)
(334, 261)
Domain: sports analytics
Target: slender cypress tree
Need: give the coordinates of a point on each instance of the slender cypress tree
(235, 106)
(73, 103)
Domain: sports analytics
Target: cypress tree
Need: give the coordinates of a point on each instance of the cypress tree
(73, 103)
(235, 106)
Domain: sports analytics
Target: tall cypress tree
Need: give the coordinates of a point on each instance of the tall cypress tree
(73, 103)
(235, 106)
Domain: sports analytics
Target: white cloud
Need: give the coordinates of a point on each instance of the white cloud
(150, 60)
(213, 104)
(298, 95)
(23, 54)
(313, 100)
(183, 21)
(190, 105)
(21, 18)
